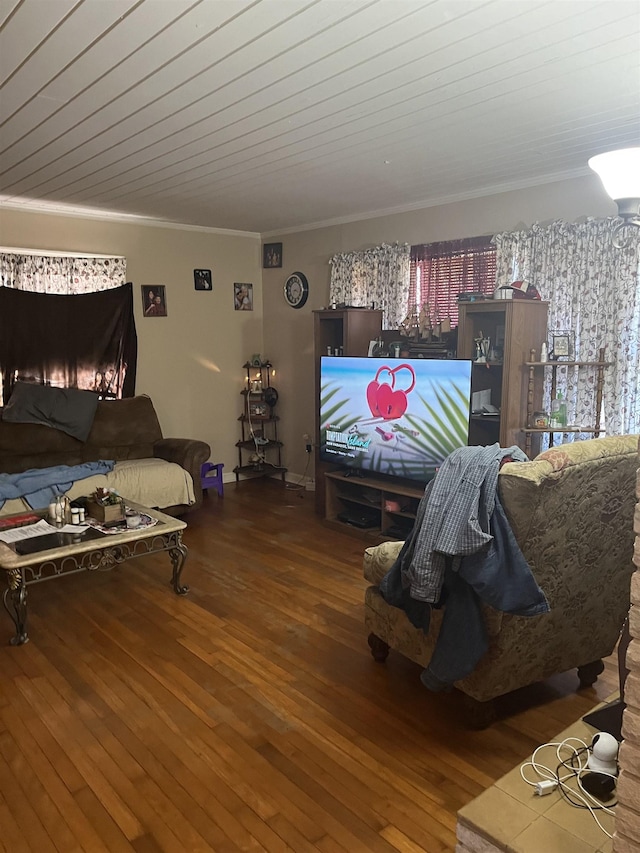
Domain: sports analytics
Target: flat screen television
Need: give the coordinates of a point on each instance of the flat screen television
(399, 417)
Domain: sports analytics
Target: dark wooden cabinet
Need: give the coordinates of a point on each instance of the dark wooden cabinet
(514, 327)
(342, 331)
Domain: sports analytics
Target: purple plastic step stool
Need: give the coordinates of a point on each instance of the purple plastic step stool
(211, 477)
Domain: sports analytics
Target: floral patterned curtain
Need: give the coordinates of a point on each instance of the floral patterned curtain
(61, 275)
(378, 276)
(593, 290)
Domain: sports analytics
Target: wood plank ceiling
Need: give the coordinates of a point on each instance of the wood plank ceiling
(266, 115)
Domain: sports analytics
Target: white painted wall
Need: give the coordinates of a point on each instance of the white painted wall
(190, 362)
(288, 333)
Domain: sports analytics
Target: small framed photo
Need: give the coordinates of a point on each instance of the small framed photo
(258, 409)
(202, 280)
(243, 296)
(377, 349)
(271, 256)
(561, 346)
(154, 300)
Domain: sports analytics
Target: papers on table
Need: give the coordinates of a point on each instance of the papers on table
(41, 528)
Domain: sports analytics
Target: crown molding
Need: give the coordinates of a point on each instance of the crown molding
(53, 209)
(483, 192)
(46, 253)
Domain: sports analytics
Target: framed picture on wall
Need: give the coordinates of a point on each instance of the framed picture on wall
(154, 300)
(202, 280)
(271, 256)
(243, 296)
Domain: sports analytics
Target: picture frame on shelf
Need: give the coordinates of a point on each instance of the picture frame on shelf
(376, 349)
(258, 409)
(561, 346)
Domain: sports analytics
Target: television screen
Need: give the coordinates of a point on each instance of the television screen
(401, 417)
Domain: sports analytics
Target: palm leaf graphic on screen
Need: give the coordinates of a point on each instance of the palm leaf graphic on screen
(445, 428)
(339, 422)
(442, 426)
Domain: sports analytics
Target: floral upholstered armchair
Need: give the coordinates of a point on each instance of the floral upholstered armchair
(571, 510)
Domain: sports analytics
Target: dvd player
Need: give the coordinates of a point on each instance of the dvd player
(361, 517)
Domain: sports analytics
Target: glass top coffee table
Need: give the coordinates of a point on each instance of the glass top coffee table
(30, 561)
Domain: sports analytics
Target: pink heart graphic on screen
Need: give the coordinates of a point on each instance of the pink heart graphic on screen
(391, 404)
(372, 398)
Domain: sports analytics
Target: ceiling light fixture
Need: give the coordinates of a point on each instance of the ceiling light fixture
(619, 172)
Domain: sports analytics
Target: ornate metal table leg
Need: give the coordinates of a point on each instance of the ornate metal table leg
(178, 554)
(15, 602)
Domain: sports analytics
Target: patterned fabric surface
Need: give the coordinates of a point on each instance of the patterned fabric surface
(379, 275)
(592, 289)
(150, 482)
(571, 510)
(59, 274)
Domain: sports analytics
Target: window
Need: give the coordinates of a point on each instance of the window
(440, 271)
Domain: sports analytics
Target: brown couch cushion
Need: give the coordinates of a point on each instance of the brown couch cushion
(127, 428)
(122, 429)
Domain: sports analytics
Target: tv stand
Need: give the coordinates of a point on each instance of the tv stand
(353, 472)
(371, 505)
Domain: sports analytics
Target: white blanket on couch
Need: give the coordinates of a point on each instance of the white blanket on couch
(151, 482)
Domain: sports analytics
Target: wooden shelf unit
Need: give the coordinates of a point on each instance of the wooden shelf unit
(515, 326)
(346, 492)
(537, 368)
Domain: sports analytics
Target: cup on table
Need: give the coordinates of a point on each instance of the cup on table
(133, 520)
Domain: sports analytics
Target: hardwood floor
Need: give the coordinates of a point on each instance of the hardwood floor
(248, 715)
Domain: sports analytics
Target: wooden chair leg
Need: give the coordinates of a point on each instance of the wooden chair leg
(589, 672)
(379, 649)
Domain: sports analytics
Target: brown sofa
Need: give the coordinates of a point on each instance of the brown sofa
(127, 431)
(571, 510)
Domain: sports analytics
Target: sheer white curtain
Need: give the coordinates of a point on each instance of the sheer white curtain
(61, 274)
(593, 290)
(378, 276)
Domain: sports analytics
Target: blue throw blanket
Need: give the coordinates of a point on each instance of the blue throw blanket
(39, 486)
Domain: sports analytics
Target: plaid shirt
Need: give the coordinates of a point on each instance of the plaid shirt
(454, 515)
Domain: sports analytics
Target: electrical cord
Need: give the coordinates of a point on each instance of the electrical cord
(550, 779)
(299, 485)
(564, 791)
(262, 459)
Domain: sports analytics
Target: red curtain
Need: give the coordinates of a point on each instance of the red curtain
(440, 271)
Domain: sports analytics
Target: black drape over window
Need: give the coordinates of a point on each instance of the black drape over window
(83, 341)
(440, 271)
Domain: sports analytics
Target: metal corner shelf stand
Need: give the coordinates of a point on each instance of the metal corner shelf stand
(259, 449)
